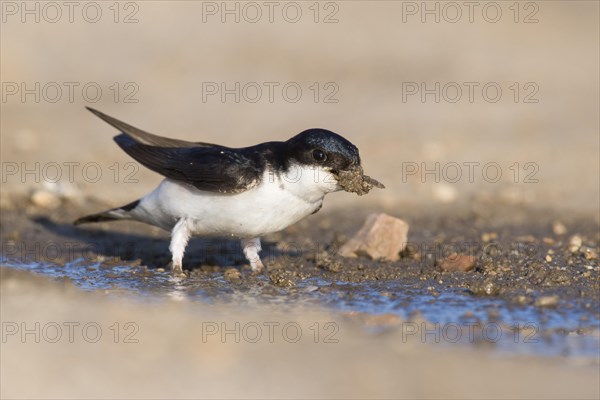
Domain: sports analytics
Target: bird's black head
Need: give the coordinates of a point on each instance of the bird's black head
(320, 147)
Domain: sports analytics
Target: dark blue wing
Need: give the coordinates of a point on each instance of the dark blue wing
(215, 168)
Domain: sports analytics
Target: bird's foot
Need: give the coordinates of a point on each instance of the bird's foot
(256, 265)
(251, 249)
(177, 271)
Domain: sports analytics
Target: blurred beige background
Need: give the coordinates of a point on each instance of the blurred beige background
(176, 48)
(372, 52)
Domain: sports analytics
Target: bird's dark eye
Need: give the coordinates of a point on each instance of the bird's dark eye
(319, 155)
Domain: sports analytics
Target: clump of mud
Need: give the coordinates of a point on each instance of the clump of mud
(355, 181)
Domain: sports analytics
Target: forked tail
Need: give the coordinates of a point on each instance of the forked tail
(113, 214)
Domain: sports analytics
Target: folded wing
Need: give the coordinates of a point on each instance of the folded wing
(215, 169)
(205, 166)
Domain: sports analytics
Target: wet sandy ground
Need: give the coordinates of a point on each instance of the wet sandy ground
(94, 345)
(529, 309)
(523, 254)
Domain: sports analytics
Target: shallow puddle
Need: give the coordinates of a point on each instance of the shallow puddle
(435, 316)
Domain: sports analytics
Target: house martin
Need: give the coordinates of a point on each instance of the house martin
(247, 192)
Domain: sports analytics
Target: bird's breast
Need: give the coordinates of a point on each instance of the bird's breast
(269, 207)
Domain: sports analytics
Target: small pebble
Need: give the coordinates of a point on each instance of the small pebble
(548, 240)
(546, 301)
(282, 278)
(445, 193)
(458, 262)
(381, 237)
(490, 289)
(525, 239)
(521, 299)
(558, 228)
(575, 243)
(232, 274)
(45, 199)
(589, 253)
(488, 237)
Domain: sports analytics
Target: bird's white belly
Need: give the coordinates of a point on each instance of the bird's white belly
(269, 207)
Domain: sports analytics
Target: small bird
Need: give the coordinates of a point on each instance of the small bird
(247, 192)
